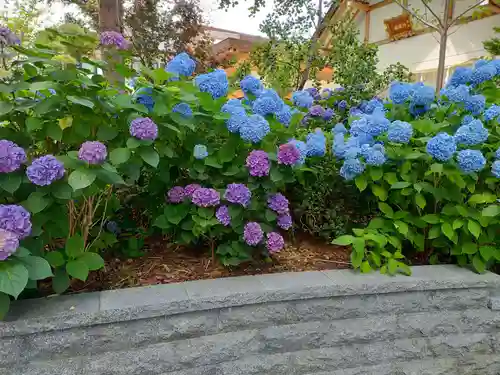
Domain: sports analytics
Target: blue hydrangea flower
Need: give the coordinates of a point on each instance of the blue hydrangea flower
(373, 125)
(495, 168)
(492, 112)
(183, 109)
(399, 92)
(182, 64)
(339, 145)
(372, 105)
(328, 114)
(316, 143)
(143, 96)
(342, 105)
(284, 115)
(326, 93)
(418, 110)
(251, 85)
(467, 119)
(302, 147)
(442, 147)
(400, 132)
(351, 169)
(255, 129)
(313, 91)
(475, 104)
(471, 134)
(302, 99)
(233, 106)
(236, 121)
(267, 105)
(479, 63)
(457, 94)
(200, 152)
(215, 83)
(339, 129)
(460, 76)
(483, 73)
(375, 155)
(422, 95)
(497, 153)
(496, 64)
(470, 161)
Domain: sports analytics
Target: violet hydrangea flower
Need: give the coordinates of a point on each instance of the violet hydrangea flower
(9, 243)
(253, 234)
(190, 189)
(7, 37)
(285, 221)
(45, 170)
(316, 111)
(288, 154)
(206, 197)
(15, 219)
(258, 163)
(143, 128)
(238, 194)
(114, 38)
(275, 242)
(93, 152)
(11, 156)
(278, 203)
(176, 194)
(223, 216)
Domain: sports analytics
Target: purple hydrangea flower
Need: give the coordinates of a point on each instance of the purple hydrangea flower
(328, 114)
(15, 219)
(316, 111)
(278, 203)
(176, 194)
(190, 189)
(275, 242)
(144, 128)
(342, 105)
(206, 197)
(9, 243)
(114, 38)
(253, 234)
(93, 152)
(258, 163)
(7, 37)
(326, 93)
(11, 156)
(288, 154)
(222, 214)
(45, 170)
(238, 194)
(285, 221)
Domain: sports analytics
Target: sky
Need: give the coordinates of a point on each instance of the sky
(235, 19)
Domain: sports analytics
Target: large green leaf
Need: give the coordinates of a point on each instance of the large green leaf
(36, 202)
(93, 261)
(60, 281)
(474, 228)
(4, 305)
(150, 156)
(343, 240)
(38, 268)
(81, 101)
(491, 210)
(77, 269)
(75, 246)
(5, 107)
(81, 178)
(10, 182)
(55, 258)
(13, 277)
(119, 156)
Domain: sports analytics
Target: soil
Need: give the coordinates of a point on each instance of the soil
(164, 264)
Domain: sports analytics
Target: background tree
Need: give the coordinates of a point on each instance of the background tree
(493, 45)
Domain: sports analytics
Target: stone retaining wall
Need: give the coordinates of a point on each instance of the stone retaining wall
(442, 320)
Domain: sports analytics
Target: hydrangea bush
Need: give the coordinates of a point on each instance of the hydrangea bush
(431, 161)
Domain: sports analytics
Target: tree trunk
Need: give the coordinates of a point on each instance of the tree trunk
(442, 45)
(110, 19)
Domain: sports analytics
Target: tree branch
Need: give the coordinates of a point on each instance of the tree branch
(418, 17)
(426, 4)
(464, 12)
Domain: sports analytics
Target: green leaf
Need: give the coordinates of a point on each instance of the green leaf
(379, 192)
(13, 278)
(392, 266)
(60, 281)
(400, 185)
(55, 258)
(487, 252)
(75, 246)
(36, 202)
(106, 133)
(4, 305)
(474, 228)
(5, 107)
(458, 223)
(361, 182)
(81, 178)
(365, 267)
(10, 182)
(77, 269)
(356, 259)
(448, 230)
(33, 124)
(420, 201)
(211, 161)
(391, 178)
(402, 227)
(119, 156)
(227, 152)
(276, 175)
(150, 156)
(469, 248)
(38, 268)
(478, 264)
(270, 215)
(22, 252)
(376, 173)
(431, 219)
(80, 101)
(491, 210)
(375, 258)
(62, 191)
(434, 232)
(93, 261)
(206, 213)
(133, 143)
(343, 240)
(161, 222)
(54, 131)
(386, 209)
(436, 168)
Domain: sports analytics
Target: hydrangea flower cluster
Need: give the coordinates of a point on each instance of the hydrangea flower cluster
(472, 133)
(11, 156)
(200, 152)
(177, 194)
(215, 83)
(9, 243)
(316, 143)
(492, 113)
(328, 114)
(326, 93)
(254, 129)
(399, 92)
(183, 109)
(114, 39)
(278, 203)
(470, 161)
(285, 221)
(314, 92)
(258, 164)
(190, 189)
(275, 242)
(238, 194)
(267, 105)
(223, 216)
(495, 167)
(45, 170)
(206, 197)
(143, 128)
(373, 155)
(351, 168)
(284, 115)
(475, 104)
(143, 96)
(316, 111)
(182, 64)
(302, 99)
(253, 234)
(460, 76)
(442, 147)
(7, 37)
(400, 132)
(15, 219)
(251, 85)
(302, 147)
(93, 152)
(288, 154)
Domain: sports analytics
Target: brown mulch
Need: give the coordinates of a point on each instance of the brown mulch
(164, 264)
